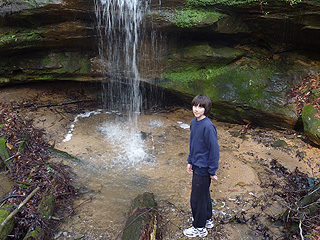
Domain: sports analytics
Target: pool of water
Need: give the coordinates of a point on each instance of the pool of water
(123, 158)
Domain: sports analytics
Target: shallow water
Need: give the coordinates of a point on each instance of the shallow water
(121, 161)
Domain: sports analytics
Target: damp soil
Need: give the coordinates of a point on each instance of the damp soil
(245, 202)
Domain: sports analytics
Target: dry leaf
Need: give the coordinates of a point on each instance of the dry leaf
(9, 146)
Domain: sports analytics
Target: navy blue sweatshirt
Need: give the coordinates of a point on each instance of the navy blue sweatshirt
(204, 149)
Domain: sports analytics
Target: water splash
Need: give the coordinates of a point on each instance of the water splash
(127, 147)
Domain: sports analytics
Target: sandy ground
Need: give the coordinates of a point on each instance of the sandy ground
(243, 191)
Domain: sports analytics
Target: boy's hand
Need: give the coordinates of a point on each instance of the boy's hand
(214, 177)
(189, 169)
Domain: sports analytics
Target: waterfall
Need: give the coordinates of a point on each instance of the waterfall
(120, 32)
(119, 29)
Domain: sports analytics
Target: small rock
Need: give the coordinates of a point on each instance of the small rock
(241, 184)
(234, 133)
(279, 143)
(57, 235)
(78, 236)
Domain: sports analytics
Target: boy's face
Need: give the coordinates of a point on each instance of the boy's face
(198, 112)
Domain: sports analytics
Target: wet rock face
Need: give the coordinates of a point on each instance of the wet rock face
(239, 55)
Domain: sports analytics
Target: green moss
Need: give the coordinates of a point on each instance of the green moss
(279, 143)
(137, 223)
(189, 17)
(37, 233)
(8, 38)
(46, 207)
(133, 227)
(311, 123)
(4, 80)
(4, 153)
(216, 2)
(64, 154)
(228, 83)
(234, 2)
(213, 55)
(145, 200)
(66, 63)
(4, 213)
(19, 36)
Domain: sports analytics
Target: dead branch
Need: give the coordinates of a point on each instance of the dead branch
(30, 105)
(11, 215)
(62, 104)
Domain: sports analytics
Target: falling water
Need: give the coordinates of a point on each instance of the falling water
(119, 28)
(119, 24)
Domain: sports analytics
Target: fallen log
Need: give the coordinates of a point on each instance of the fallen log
(311, 198)
(64, 154)
(306, 207)
(57, 104)
(143, 221)
(308, 204)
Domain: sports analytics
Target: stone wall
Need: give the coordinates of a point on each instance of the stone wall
(246, 55)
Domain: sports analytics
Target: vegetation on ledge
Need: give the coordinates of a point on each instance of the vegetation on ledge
(236, 2)
(190, 17)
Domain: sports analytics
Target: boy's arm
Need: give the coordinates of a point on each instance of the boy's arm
(189, 168)
(211, 139)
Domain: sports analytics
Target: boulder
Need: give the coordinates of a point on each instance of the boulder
(311, 123)
(143, 220)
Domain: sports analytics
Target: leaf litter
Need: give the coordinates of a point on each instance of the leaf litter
(31, 168)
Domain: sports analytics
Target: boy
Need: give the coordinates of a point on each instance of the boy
(203, 162)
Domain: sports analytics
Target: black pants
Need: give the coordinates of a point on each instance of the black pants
(200, 200)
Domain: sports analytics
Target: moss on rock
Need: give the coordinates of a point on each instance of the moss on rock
(4, 213)
(142, 223)
(235, 2)
(190, 17)
(66, 62)
(246, 89)
(311, 123)
(46, 207)
(37, 234)
(20, 38)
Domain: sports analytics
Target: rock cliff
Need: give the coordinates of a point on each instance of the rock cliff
(246, 55)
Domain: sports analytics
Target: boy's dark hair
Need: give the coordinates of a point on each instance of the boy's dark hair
(203, 101)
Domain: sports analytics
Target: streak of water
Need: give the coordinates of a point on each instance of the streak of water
(119, 28)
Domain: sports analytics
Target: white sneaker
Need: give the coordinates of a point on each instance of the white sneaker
(195, 232)
(209, 223)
